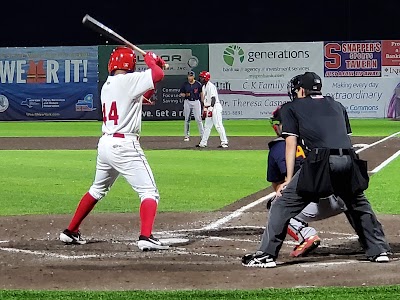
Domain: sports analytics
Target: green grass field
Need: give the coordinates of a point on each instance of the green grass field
(52, 181)
(353, 293)
(388, 201)
(361, 127)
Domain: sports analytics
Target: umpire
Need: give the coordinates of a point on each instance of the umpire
(331, 167)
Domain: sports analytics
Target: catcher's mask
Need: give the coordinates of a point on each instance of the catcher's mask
(293, 86)
(309, 81)
(276, 121)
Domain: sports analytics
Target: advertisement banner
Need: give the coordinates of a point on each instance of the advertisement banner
(166, 102)
(49, 83)
(252, 78)
(363, 97)
(362, 76)
(352, 59)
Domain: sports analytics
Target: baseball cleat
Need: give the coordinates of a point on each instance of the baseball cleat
(201, 146)
(258, 260)
(186, 139)
(69, 237)
(223, 146)
(150, 244)
(306, 246)
(381, 258)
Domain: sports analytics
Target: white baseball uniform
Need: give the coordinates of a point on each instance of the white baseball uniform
(209, 91)
(119, 151)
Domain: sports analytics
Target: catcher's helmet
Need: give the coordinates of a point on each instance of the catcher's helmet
(205, 76)
(122, 58)
(309, 81)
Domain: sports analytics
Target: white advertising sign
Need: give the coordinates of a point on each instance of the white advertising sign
(363, 97)
(252, 78)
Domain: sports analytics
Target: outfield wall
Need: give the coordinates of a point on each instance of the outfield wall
(63, 83)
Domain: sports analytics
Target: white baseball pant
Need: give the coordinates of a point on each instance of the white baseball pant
(122, 156)
(194, 107)
(215, 120)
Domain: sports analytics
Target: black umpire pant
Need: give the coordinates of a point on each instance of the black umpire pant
(360, 212)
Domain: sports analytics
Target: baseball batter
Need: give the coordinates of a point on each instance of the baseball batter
(119, 151)
(212, 111)
(191, 90)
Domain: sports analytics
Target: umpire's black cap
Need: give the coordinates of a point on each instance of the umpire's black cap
(311, 81)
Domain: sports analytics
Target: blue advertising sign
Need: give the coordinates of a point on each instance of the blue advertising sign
(49, 83)
(353, 59)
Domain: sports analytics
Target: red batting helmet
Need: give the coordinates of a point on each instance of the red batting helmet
(122, 58)
(205, 75)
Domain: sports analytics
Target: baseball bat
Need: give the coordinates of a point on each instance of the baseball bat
(99, 27)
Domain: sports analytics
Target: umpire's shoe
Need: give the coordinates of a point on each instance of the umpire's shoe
(150, 244)
(381, 258)
(70, 237)
(259, 260)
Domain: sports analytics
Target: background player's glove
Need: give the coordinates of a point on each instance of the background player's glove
(210, 111)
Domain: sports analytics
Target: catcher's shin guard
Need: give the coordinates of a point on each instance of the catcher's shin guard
(295, 228)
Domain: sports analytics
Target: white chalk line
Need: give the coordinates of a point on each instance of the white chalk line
(378, 142)
(180, 232)
(238, 212)
(385, 163)
(324, 244)
(346, 262)
(49, 254)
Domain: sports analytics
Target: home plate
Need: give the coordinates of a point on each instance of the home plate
(175, 241)
(360, 145)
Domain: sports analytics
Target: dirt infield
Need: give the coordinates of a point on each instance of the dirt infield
(207, 246)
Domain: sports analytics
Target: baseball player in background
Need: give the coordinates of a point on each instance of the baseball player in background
(119, 151)
(212, 111)
(191, 90)
(298, 228)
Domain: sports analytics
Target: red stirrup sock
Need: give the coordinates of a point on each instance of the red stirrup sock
(148, 209)
(85, 206)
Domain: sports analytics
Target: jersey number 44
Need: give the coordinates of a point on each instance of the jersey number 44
(112, 114)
